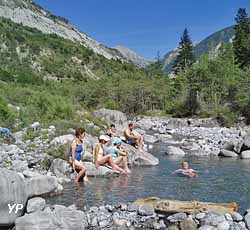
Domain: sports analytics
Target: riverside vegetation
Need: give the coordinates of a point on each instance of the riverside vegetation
(51, 79)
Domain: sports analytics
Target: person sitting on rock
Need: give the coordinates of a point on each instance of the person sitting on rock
(105, 160)
(119, 154)
(186, 171)
(111, 132)
(75, 155)
(133, 138)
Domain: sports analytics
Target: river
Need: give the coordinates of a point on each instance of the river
(220, 180)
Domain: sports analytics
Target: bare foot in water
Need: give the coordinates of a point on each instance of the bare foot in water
(128, 171)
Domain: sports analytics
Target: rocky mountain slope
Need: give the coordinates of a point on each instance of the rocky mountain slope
(132, 56)
(211, 44)
(32, 15)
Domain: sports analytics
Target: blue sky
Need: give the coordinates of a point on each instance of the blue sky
(146, 26)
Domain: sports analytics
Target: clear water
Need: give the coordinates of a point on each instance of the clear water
(220, 180)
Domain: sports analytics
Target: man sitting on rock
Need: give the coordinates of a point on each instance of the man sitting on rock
(119, 154)
(133, 138)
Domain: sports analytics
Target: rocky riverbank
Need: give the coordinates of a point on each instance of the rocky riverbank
(123, 216)
(36, 164)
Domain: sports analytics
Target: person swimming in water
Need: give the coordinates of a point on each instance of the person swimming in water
(186, 171)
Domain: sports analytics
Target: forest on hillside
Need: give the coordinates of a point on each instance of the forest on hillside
(52, 79)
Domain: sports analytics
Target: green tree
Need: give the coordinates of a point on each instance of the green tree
(241, 40)
(185, 57)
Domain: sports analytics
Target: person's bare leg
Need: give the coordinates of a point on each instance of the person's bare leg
(81, 173)
(107, 160)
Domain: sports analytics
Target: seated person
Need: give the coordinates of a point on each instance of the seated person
(111, 132)
(75, 155)
(119, 155)
(186, 171)
(134, 138)
(105, 160)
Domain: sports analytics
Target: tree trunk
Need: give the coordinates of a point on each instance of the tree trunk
(191, 207)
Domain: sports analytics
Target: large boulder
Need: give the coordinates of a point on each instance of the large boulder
(35, 204)
(13, 191)
(60, 218)
(245, 154)
(227, 153)
(171, 150)
(112, 116)
(92, 171)
(41, 185)
(62, 140)
(60, 168)
(140, 158)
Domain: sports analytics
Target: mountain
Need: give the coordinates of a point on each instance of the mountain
(211, 44)
(32, 15)
(132, 56)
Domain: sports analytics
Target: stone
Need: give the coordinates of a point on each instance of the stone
(92, 171)
(188, 224)
(229, 146)
(213, 219)
(247, 220)
(228, 217)
(19, 135)
(60, 168)
(140, 158)
(236, 216)
(150, 138)
(207, 227)
(36, 126)
(177, 217)
(19, 165)
(223, 226)
(13, 191)
(62, 140)
(227, 153)
(160, 225)
(35, 204)
(41, 185)
(171, 150)
(146, 210)
(238, 146)
(245, 154)
(29, 174)
(87, 156)
(120, 222)
(63, 218)
(200, 216)
(133, 207)
(112, 116)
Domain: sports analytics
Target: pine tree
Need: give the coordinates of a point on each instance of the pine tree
(185, 57)
(241, 40)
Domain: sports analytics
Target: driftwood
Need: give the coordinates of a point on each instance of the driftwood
(191, 207)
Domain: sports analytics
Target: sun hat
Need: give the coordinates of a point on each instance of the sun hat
(104, 137)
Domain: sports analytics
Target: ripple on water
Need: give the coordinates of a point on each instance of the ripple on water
(220, 180)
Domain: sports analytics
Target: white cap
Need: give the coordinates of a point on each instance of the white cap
(104, 137)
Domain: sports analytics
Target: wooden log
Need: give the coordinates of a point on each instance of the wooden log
(190, 207)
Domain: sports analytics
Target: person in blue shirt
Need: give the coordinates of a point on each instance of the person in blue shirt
(5, 132)
(76, 153)
(119, 154)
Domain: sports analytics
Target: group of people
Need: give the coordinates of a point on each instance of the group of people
(114, 157)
